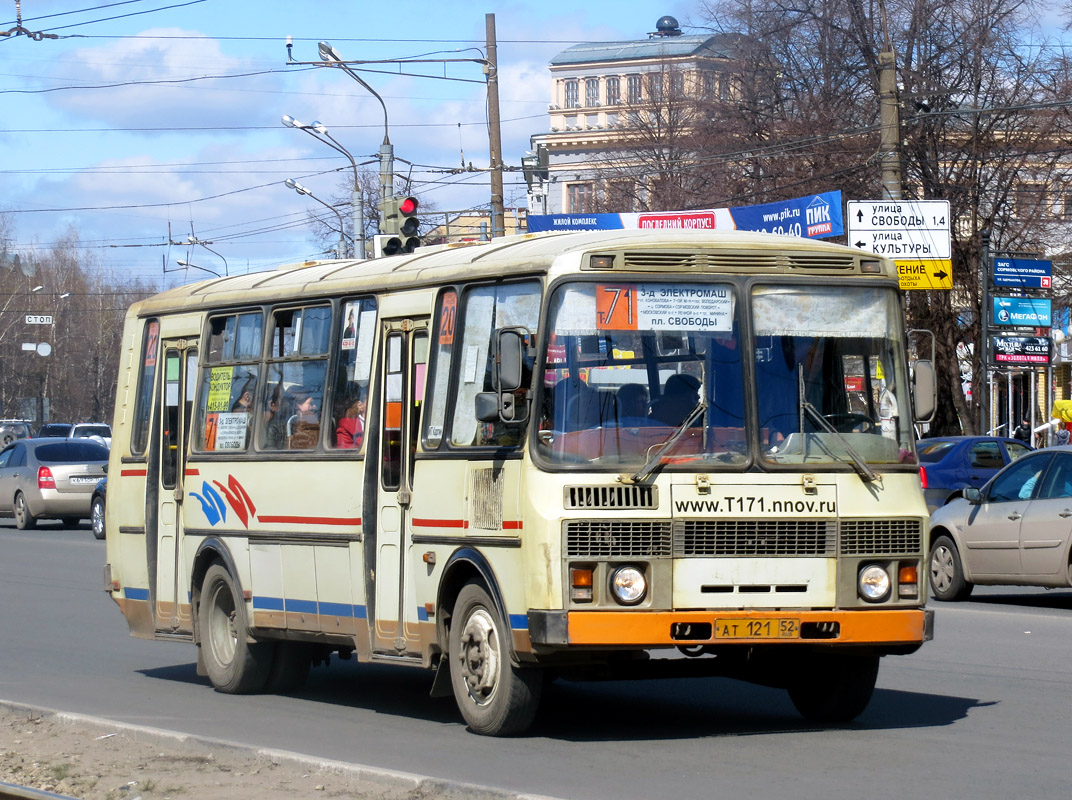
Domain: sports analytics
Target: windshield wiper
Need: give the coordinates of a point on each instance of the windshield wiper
(656, 451)
(865, 472)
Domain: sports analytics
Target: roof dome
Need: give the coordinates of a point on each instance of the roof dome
(667, 26)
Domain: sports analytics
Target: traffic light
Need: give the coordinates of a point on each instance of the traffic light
(409, 227)
(386, 244)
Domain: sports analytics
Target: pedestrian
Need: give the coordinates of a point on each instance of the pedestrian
(1023, 432)
(1062, 436)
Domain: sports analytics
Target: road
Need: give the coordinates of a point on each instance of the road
(983, 711)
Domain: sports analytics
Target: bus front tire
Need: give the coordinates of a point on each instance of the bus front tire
(234, 665)
(834, 688)
(495, 697)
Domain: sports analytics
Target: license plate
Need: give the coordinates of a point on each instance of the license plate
(77, 481)
(745, 628)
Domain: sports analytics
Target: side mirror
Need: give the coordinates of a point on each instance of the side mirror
(511, 358)
(973, 495)
(924, 391)
(487, 406)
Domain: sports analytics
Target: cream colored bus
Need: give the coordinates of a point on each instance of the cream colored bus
(566, 455)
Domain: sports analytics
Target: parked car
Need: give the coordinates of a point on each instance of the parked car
(950, 464)
(80, 430)
(49, 478)
(1016, 530)
(96, 506)
(12, 429)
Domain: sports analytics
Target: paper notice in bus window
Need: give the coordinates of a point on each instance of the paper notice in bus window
(447, 314)
(231, 431)
(664, 307)
(219, 389)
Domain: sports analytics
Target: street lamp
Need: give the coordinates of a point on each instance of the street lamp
(357, 207)
(182, 263)
(192, 240)
(293, 184)
(387, 151)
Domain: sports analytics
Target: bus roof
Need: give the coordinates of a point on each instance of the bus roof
(522, 254)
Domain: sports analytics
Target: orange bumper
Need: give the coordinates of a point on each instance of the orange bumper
(651, 629)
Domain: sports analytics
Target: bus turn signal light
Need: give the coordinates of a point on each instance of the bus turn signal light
(908, 579)
(581, 584)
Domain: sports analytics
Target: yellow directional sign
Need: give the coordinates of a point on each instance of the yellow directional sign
(925, 274)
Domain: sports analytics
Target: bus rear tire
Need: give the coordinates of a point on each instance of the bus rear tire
(234, 665)
(495, 697)
(834, 688)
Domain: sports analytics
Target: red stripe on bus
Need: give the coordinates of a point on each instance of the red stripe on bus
(192, 471)
(133, 473)
(441, 523)
(515, 525)
(312, 520)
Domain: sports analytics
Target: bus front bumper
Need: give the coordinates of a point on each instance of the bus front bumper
(641, 629)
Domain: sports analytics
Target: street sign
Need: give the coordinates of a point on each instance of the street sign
(1024, 272)
(1022, 312)
(904, 230)
(38, 319)
(936, 274)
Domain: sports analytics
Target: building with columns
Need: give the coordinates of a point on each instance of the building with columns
(601, 93)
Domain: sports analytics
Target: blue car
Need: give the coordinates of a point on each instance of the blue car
(950, 464)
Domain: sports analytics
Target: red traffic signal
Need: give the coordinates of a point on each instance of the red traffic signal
(408, 206)
(409, 226)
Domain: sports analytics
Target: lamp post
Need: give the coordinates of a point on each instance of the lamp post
(226, 271)
(7, 304)
(293, 184)
(387, 151)
(320, 132)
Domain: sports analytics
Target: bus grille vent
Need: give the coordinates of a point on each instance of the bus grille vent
(610, 538)
(752, 537)
(658, 260)
(486, 499)
(865, 536)
(822, 261)
(612, 497)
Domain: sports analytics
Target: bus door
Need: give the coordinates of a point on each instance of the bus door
(402, 380)
(172, 606)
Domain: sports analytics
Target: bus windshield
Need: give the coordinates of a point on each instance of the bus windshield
(663, 370)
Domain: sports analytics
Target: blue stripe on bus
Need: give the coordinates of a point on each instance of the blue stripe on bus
(309, 607)
(422, 614)
(519, 622)
(130, 593)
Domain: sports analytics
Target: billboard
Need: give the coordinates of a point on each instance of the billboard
(1021, 312)
(1024, 272)
(1011, 350)
(814, 217)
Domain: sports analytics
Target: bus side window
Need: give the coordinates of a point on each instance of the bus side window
(443, 338)
(350, 382)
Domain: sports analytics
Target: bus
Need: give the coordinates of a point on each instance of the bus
(574, 456)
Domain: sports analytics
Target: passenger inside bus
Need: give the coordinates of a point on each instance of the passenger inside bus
(350, 431)
(679, 397)
(303, 426)
(632, 402)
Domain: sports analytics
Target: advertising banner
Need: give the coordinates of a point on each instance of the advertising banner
(1022, 312)
(1010, 350)
(1026, 272)
(814, 217)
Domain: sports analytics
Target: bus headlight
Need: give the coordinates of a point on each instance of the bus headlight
(874, 583)
(628, 585)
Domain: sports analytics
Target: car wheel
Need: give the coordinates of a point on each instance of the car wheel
(947, 572)
(495, 697)
(234, 664)
(96, 517)
(24, 518)
(833, 688)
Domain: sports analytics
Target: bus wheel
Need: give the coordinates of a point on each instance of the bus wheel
(495, 697)
(24, 518)
(834, 688)
(234, 665)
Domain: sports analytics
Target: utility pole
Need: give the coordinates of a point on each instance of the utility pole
(984, 340)
(890, 147)
(494, 134)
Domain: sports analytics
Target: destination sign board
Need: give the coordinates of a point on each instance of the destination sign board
(1020, 349)
(1022, 312)
(900, 229)
(930, 274)
(1024, 272)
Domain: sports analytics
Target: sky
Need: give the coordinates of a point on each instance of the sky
(149, 120)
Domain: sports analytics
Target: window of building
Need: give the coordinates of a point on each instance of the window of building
(591, 120)
(634, 88)
(614, 91)
(580, 198)
(677, 84)
(572, 97)
(655, 87)
(591, 92)
(612, 119)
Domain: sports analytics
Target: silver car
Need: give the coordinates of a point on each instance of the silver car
(49, 478)
(1016, 530)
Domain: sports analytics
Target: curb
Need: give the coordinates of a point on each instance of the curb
(432, 787)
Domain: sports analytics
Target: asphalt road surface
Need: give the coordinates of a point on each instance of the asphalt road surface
(985, 710)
